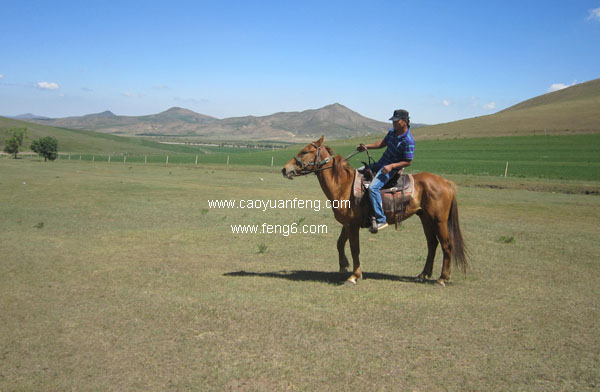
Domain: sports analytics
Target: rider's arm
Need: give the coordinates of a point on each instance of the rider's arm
(373, 146)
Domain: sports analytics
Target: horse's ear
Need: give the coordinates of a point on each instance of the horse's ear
(320, 141)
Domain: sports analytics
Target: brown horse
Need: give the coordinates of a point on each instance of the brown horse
(434, 201)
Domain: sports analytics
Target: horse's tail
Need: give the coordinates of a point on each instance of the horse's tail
(459, 248)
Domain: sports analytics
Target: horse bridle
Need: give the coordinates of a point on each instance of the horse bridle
(317, 162)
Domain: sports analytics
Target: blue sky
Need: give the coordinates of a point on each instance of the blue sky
(442, 61)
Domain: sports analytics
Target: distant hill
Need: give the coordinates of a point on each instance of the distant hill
(78, 141)
(575, 109)
(335, 121)
(174, 119)
(30, 116)
(582, 93)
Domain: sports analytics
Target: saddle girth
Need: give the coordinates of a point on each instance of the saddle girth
(395, 195)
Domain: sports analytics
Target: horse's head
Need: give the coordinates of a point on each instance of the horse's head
(308, 160)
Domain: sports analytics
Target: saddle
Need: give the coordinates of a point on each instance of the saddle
(396, 194)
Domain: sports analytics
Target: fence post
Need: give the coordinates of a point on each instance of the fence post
(124, 158)
(506, 169)
(228, 159)
(196, 159)
(145, 159)
(80, 157)
(271, 161)
(69, 157)
(109, 159)
(167, 160)
(93, 158)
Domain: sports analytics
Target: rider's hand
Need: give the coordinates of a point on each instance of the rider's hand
(386, 169)
(361, 147)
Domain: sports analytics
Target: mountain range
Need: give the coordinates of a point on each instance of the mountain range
(335, 121)
(573, 109)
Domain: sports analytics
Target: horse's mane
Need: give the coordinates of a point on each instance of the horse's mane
(340, 165)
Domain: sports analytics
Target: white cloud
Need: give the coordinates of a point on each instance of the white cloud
(490, 106)
(556, 87)
(47, 86)
(594, 15)
(559, 86)
(445, 102)
(1, 76)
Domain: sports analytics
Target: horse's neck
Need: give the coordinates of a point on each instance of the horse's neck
(336, 184)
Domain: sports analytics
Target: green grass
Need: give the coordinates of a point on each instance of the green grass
(133, 283)
(262, 247)
(572, 157)
(575, 157)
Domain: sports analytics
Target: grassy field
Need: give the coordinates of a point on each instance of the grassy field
(120, 277)
(565, 157)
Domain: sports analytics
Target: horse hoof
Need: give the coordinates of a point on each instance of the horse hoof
(349, 283)
(441, 282)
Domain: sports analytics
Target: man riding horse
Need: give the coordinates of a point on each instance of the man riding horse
(398, 155)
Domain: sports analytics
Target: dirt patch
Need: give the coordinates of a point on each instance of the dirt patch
(567, 189)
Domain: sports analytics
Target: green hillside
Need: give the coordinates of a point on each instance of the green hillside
(580, 92)
(76, 141)
(572, 110)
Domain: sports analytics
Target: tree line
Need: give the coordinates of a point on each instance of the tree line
(46, 147)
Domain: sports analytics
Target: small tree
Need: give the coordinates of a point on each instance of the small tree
(15, 141)
(46, 147)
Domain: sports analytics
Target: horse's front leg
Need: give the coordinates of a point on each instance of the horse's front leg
(432, 244)
(353, 232)
(341, 244)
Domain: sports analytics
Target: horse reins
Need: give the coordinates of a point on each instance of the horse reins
(318, 163)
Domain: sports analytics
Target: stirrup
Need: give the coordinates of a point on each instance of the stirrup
(375, 227)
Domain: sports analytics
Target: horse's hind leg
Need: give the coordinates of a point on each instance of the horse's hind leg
(341, 243)
(432, 243)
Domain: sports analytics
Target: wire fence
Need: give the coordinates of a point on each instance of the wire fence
(179, 159)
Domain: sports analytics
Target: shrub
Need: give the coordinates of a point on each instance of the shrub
(15, 141)
(262, 248)
(46, 147)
